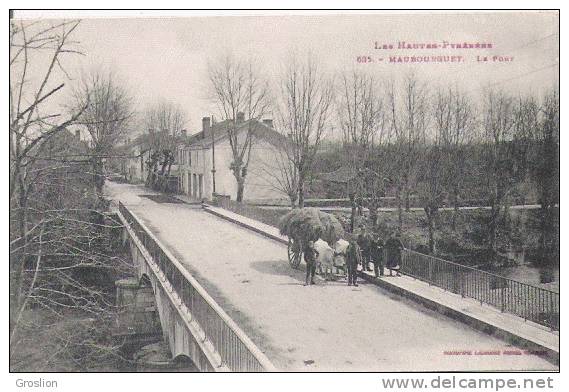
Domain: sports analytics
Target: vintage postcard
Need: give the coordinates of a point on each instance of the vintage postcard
(282, 191)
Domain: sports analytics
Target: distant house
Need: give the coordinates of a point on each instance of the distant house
(135, 154)
(63, 167)
(211, 148)
(136, 167)
(66, 143)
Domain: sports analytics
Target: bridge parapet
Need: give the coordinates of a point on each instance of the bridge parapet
(189, 315)
(531, 302)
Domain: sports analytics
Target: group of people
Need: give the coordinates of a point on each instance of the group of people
(374, 250)
(365, 248)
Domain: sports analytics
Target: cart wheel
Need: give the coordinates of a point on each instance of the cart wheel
(294, 253)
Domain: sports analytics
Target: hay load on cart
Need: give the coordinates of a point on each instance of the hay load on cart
(308, 224)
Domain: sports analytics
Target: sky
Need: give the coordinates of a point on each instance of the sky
(165, 59)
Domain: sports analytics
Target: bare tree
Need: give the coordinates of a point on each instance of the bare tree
(409, 121)
(505, 153)
(305, 102)
(280, 172)
(109, 109)
(547, 174)
(360, 109)
(164, 123)
(34, 121)
(240, 93)
(58, 236)
(69, 261)
(543, 123)
(362, 118)
(436, 163)
(456, 140)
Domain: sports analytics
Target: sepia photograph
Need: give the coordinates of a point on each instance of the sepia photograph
(284, 191)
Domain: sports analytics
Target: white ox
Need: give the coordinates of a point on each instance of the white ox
(329, 257)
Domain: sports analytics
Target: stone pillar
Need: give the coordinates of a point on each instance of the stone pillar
(137, 318)
(127, 290)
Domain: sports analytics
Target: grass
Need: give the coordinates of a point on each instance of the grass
(268, 216)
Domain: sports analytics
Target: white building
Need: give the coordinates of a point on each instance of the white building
(196, 161)
(136, 155)
(135, 168)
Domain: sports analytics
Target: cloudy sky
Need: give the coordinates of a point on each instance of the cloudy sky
(166, 58)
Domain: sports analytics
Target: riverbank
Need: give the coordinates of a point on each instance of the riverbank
(71, 342)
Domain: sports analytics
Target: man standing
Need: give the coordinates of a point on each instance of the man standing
(352, 260)
(364, 242)
(377, 256)
(310, 255)
(394, 247)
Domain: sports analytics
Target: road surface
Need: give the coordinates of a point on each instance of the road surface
(327, 327)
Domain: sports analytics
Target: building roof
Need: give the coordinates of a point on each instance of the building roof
(66, 141)
(144, 141)
(204, 140)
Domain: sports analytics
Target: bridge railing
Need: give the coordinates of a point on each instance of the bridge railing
(235, 348)
(525, 300)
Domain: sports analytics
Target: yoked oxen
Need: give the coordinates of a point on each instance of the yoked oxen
(329, 257)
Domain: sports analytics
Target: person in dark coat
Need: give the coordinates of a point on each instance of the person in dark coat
(377, 256)
(394, 246)
(353, 255)
(310, 256)
(365, 244)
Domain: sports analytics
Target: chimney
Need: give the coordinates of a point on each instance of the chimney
(206, 124)
(268, 122)
(240, 117)
(78, 134)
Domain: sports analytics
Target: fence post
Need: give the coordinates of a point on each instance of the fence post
(550, 313)
(503, 299)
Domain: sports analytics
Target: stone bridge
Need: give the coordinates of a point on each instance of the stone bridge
(229, 301)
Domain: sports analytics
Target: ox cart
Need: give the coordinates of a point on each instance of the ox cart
(308, 224)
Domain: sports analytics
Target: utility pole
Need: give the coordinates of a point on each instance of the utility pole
(213, 152)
